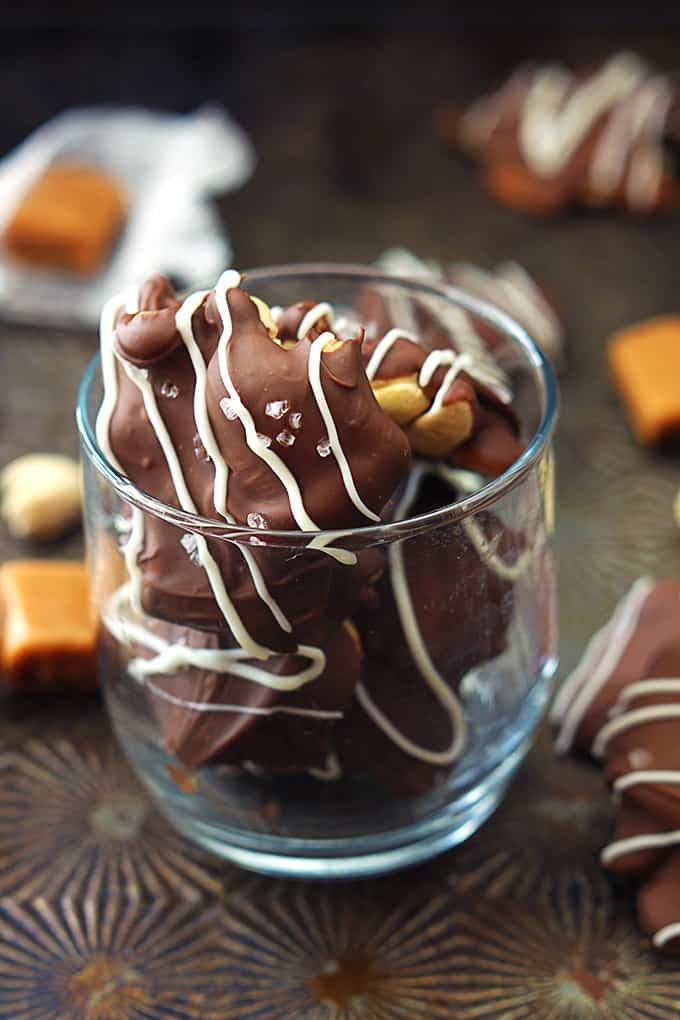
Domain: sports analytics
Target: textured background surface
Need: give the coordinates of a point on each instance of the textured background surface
(104, 913)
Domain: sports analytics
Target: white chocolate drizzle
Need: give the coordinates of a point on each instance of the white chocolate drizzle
(596, 668)
(471, 358)
(314, 368)
(629, 720)
(420, 655)
(228, 280)
(665, 935)
(600, 659)
(632, 844)
(628, 148)
(558, 112)
(183, 321)
(643, 688)
(321, 311)
(205, 557)
(211, 706)
(642, 777)
(170, 658)
(383, 347)
(462, 362)
(331, 771)
(322, 542)
(486, 549)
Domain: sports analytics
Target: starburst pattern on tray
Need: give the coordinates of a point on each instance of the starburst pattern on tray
(115, 960)
(310, 952)
(572, 961)
(74, 821)
(548, 831)
(358, 954)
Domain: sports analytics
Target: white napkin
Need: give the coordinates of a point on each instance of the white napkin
(169, 165)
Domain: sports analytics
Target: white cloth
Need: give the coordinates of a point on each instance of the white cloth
(169, 164)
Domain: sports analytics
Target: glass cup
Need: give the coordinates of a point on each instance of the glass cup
(396, 736)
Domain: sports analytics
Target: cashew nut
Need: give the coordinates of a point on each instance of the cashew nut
(40, 495)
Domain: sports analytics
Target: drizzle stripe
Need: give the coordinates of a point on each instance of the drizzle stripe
(227, 608)
(384, 346)
(228, 280)
(171, 658)
(446, 698)
(630, 845)
(508, 571)
(666, 934)
(629, 720)
(204, 706)
(314, 367)
(642, 688)
(643, 776)
(320, 311)
(601, 657)
(183, 320)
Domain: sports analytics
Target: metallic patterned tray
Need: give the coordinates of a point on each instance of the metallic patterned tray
(107, 914)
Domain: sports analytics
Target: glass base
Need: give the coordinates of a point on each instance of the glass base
(312, 859)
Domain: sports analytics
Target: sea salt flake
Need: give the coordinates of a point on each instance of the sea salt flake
(276, 408)
(254, 540)
(285, 438)
(228, 409)
(323, 447)
(255, 520)
(169, 390)
(190, 543)
(200, 451)
(295, 420)
(265, 440)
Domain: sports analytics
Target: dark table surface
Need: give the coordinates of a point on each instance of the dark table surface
(104, 913)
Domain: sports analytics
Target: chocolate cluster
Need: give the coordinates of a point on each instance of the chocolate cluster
(622, 705)
(551, 138)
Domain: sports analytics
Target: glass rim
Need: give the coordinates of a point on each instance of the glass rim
(465, 506)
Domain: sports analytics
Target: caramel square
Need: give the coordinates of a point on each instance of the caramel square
(68, 219)
(47, 628)
(644, 361)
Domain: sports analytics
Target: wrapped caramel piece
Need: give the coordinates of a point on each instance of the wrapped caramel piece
(68, 220)
(47, 632)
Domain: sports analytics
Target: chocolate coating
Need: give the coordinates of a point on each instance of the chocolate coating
(623, 702)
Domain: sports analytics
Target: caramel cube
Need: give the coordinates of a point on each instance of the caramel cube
(645, 363)
(47, 628)
(67, 220)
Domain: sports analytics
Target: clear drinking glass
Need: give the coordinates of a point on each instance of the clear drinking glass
(441, 665)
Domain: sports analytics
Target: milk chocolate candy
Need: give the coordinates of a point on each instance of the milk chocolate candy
(622, 703)
(550, 138)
